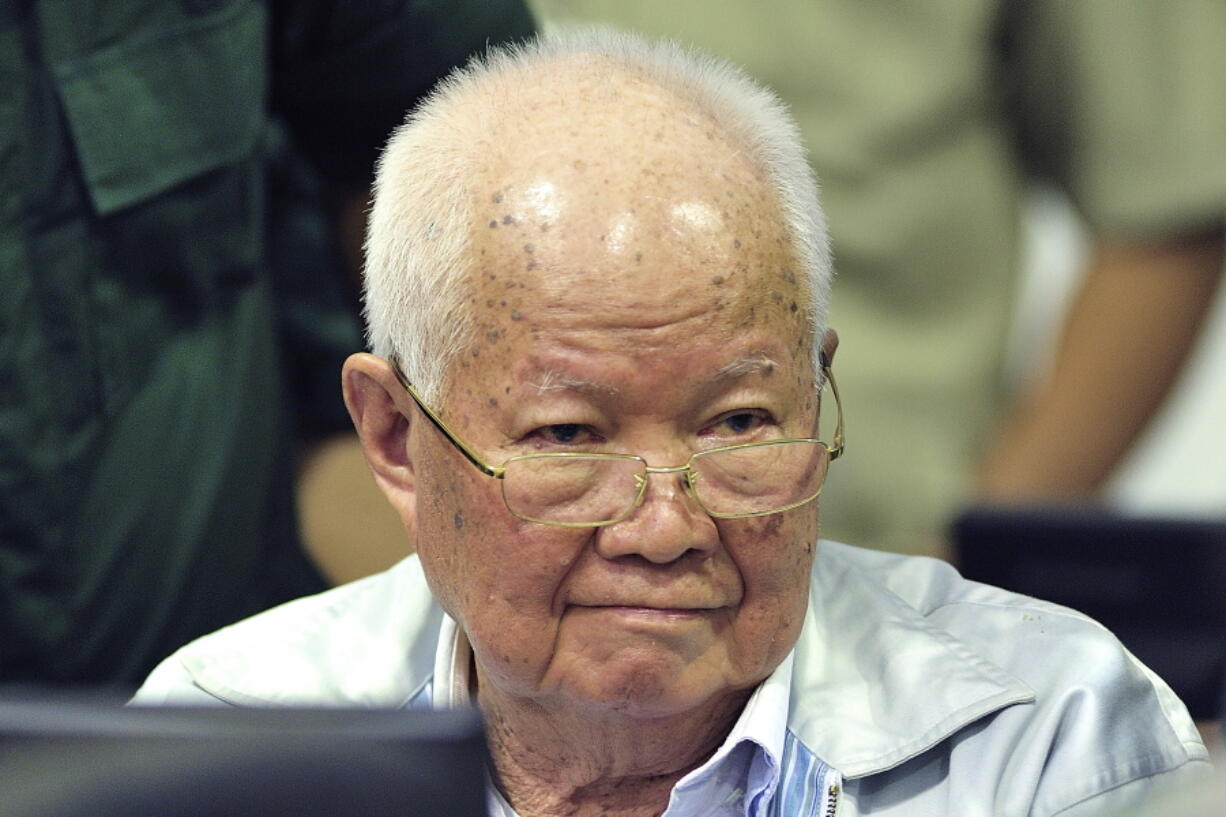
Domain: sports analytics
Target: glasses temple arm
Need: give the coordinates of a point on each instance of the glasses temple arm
(837, 450)
(469, 454)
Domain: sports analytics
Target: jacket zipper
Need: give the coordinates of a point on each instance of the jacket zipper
(832, 800)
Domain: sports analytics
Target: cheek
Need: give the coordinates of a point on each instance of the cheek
(498, 577)
(774, 555)
(512, 613)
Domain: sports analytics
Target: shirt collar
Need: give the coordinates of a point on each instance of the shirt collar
(748, 775)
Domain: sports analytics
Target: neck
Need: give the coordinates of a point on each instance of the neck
(551, 759)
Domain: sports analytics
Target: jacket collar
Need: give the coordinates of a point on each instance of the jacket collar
(876, 683)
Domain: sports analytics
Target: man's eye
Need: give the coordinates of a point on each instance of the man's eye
(737, 424)
(565, 434)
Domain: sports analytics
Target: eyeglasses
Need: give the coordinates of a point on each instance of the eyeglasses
(581, 490)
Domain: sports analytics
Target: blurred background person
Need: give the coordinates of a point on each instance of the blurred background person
(929, 123)
(175, 180)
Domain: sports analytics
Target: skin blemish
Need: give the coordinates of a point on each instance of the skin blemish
(717, 280)
(458, 520)
(529, 248)
(638, 258)
(497, 197)
(508, 219)
(531, 265)
(493, 225)
(504, 303)
(493, 335)
(736, 243)
(516, 315)
(493, 402)
(792, 307)
(579, 165)
(545, 227)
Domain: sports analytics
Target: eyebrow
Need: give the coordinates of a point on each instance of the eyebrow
(553, 380)
(755, 363)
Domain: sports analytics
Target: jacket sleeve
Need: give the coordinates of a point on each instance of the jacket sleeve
(170, 684)
(1131, 797)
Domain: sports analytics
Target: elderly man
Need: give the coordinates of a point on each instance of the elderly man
(596, 283)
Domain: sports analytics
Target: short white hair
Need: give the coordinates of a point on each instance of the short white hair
(418, 263)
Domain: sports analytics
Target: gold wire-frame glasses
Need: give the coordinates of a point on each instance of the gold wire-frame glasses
(605, 478)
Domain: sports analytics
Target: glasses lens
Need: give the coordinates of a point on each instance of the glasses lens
(760, 478)
(572, 490)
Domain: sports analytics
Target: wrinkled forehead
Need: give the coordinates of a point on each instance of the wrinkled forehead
(599, 138)
(624, 205)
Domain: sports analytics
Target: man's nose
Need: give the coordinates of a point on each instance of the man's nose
(666, 525)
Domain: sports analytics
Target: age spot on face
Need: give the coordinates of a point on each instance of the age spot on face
(457, 519)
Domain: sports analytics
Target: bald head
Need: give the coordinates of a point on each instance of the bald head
(597, 165)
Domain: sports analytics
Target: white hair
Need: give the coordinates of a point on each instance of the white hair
(421, 221)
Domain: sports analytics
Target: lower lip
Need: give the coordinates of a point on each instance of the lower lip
(655, 613)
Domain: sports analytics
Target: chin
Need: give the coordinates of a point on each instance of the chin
(644, 693)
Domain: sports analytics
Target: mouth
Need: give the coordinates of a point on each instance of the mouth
(650, 613)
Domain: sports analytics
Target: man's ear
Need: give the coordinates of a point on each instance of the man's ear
(380, 409)
(830, 344)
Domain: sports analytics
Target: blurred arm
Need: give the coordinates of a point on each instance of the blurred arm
(348, 528)
(1122, 347)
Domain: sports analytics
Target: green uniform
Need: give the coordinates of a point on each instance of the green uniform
(926, 120)
(156, 368)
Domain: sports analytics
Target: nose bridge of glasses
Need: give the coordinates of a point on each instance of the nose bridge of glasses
(686, 472)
